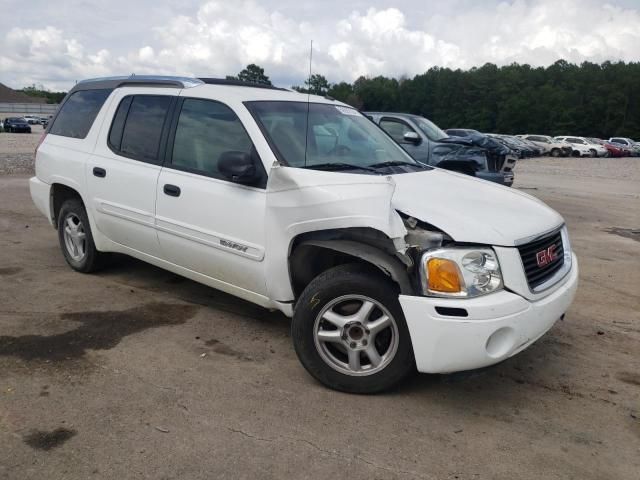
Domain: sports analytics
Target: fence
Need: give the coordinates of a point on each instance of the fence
(28, 108)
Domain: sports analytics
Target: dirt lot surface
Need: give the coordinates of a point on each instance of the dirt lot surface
(16, 150)
(138, 373)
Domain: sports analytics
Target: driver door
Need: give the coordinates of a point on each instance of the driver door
(397, 129)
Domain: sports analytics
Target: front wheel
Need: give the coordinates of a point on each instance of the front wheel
(349, 331)
(555, 152)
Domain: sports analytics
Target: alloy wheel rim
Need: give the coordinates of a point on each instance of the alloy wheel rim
(356, 335)
(75, 237)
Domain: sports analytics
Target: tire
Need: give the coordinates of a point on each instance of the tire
(555, 152)
(576, 153)
(344, 291)
(594, 153)
(77, 245)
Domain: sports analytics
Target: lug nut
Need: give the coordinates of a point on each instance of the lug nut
(364, 342)
(352, 344)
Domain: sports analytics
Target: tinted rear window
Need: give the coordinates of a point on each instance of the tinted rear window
(137, 126)
(78, 113)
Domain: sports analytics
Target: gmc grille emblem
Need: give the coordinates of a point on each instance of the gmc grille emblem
(546, 256)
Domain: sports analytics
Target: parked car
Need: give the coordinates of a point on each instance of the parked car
(1, 126)
(529, 149)
(31, 120)
(597, 149)
(428, 144)
(519, 150)
(613, 150)
(16, 125)
(552, 147)
(632, 146)
(486, 141)
(581, 148)
(301, 204)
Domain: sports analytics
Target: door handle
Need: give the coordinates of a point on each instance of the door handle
(172, 190)
(99, 172)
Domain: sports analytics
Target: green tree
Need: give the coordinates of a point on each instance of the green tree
(52, 97)
(252, 73)
(564, 98)
(315, 85)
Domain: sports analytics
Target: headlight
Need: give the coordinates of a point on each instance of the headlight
(460, 272)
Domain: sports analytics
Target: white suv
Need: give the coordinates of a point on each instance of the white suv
(583, 147)
(302, 204)
(551, 146)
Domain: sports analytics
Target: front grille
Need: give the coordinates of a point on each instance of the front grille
(529, 253)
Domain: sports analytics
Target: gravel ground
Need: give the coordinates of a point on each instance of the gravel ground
(627, 168)
(137, 373)
(17, 151)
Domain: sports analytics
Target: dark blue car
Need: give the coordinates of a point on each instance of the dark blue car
(16, 125)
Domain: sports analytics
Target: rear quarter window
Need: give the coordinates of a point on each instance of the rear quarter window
(137, 127)
(77, 114)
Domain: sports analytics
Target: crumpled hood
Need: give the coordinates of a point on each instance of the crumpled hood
(472, 210)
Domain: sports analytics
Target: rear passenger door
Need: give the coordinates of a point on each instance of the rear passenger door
(207, 223)
(123, 172)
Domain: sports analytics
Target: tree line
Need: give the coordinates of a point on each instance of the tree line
(592, 100)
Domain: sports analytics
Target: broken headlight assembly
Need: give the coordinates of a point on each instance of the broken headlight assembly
(460, 272)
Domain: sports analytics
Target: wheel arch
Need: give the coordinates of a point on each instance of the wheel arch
(313, 253)
(58, 194)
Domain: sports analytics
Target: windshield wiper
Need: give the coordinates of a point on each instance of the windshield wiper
(397, 163)
(332, 166)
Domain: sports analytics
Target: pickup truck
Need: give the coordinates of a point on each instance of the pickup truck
(301, 204)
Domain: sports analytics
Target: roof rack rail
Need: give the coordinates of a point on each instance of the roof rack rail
(238, 83)
(142, 80)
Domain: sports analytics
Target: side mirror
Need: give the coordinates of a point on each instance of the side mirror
(239, 167)
(411, 137)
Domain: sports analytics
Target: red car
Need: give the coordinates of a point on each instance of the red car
(613, 150)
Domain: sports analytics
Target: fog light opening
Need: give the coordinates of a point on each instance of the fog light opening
(501, 342)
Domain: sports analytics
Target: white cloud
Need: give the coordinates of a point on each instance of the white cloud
(220, 37)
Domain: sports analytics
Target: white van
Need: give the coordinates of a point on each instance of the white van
(302, 204)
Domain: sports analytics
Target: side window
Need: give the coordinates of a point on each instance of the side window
(205, 130)
(395, 128)
(137, 126)
(77, 114)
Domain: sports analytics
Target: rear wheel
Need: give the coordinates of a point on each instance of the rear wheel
(76, 240)
(555, 152)
(349, 331)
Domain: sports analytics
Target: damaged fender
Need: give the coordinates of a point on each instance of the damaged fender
(301, 201)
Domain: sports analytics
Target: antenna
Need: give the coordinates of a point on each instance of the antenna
(306, 133)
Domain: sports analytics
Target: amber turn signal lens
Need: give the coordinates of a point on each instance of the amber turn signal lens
(443, 276)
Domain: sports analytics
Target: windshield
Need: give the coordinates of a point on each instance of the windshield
(430, 129)
(337, 137)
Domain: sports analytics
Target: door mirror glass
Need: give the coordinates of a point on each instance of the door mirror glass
(239, 167)
(411, 137)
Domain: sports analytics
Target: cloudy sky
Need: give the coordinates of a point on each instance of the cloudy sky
(54, 43)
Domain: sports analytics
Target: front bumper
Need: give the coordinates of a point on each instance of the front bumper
(503, 178)
(497, 326)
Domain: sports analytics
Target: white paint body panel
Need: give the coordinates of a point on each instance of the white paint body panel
(238, 239)
(451, 344)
